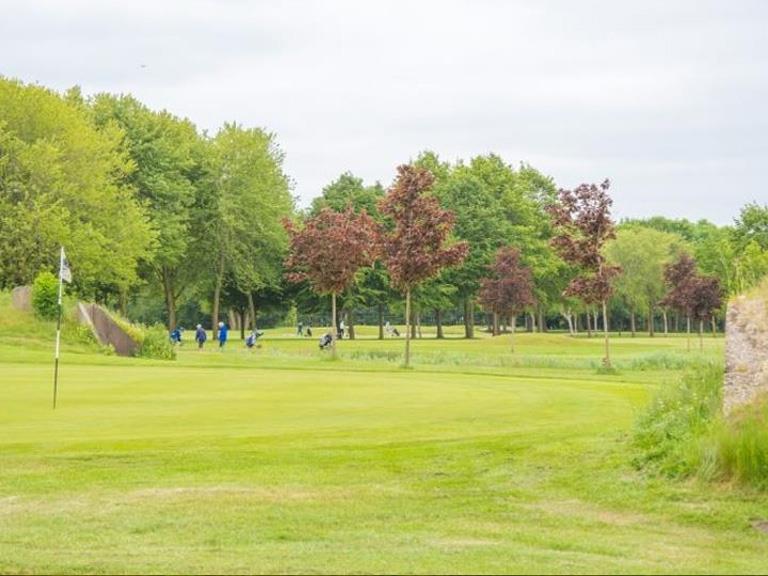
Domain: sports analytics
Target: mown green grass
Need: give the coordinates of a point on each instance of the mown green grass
(281, 460)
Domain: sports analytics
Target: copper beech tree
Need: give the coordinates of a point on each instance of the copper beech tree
(328, 250)
(582, 224)
(692, 294)
(415, 248)
(509, 288)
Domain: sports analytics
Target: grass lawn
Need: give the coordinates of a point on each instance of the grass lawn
(283, 461)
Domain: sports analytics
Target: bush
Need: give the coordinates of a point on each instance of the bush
(153, 341)
(672, 432)
(156, 344)
(45, 296)
(683, 433)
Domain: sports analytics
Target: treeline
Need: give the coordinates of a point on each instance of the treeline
(171, 224)
(152, 211)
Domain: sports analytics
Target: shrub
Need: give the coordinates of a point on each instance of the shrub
(672, 432)
(153, 341)
(156, 344)
(683, 432)
(45, 296)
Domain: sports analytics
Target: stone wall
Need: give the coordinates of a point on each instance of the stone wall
(106, 330)
(21, 298)
(746, 351)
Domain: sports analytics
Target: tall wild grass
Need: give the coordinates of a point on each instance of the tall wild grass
(683, 433)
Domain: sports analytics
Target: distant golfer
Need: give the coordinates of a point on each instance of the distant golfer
(300, 329)
(200, 336)
(223, 330)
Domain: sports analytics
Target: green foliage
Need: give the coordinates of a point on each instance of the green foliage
(61, 183)
(741, 446)
(642, 254)
(153, 340)
(45, 296)
(155, 344)
(671, 432)
(683, 433)
(348, 190)
(291, 317)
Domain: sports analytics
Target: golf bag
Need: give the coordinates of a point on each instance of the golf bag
(325, 341)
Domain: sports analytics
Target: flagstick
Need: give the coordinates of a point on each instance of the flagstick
(58, 332)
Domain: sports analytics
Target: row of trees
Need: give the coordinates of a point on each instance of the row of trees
(161, 220)
(145, 203)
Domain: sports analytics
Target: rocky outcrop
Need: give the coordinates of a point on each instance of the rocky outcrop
(746, 351)
(105, 329)
(21, 298)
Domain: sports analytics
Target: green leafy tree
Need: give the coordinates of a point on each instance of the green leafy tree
(165, 154)
(244, 234)
(62, 182)
(348, 190)
(642, 254)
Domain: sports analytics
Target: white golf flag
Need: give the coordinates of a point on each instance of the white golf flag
(64, 272)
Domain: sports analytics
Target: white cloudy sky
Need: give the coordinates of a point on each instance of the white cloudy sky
(667, 98)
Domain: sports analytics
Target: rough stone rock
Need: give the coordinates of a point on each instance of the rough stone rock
(21, 298)
(746, 352)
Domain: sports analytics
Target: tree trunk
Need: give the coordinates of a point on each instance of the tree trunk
(418, 324)
(170, 301)
(688, 332)
(408, 328)
(469, 318)
(439, 323)
(381, 321)
(666, 323)
(351, 323)
(512, 323)
(714, 325)
(217, 297)
(532, 319)
(242, 325)
(467, 329)
(252, 311)
(701, 334)
(334, 333)
(632, 322)
(124, 302)
(569, 320)
(607, 360)
(542, 326)
(651, 327)
(495, 323)
(589, 324)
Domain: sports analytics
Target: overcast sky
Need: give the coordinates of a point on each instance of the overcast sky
(667, 98)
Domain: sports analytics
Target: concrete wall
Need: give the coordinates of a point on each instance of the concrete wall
(746, 351)
(105, 329)
(21, 298)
